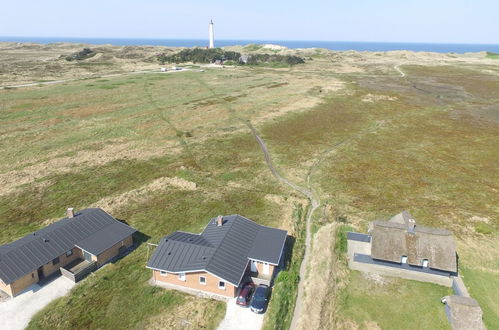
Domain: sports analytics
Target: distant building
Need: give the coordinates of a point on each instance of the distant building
(244, 59)
(463, 313)
(400, 247)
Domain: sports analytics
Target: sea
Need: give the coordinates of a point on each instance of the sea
(333, 45)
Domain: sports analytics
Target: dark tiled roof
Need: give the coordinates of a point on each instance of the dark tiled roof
(221, 250)
(392, 239)
(93, 228)
(358, 237)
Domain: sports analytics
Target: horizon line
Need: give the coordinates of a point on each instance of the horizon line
(263, 40)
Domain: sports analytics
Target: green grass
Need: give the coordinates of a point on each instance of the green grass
(341, 239)
(399, 304)
(116, 297)
(492, 55)
(482, 286)
(282, 303)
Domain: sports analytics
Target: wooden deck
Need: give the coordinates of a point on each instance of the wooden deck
(78, 269)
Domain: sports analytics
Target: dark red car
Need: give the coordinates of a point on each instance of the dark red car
(245, 295)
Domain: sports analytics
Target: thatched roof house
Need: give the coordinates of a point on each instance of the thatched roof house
(463, 313)
(400, 240)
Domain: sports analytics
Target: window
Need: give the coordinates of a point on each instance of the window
(202, 280)
(55, 261)
(32, 275)
(181, 276)
(403, 259)
(221, 285)
(70, 252)
(425, 263)
(162, 273)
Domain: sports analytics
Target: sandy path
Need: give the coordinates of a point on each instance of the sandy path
(396, 67)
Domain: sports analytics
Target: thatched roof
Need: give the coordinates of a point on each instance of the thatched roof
(402, 237)
(464, 313)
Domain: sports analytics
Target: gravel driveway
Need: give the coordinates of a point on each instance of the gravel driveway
(240, 318)
(16, 313)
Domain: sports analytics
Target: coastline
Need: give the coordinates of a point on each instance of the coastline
(292, 44)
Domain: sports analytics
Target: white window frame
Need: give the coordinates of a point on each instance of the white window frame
(163, 273)
(181, 276)
(425, 263)
(69, 253)
(403, 259)
(222, 286)
(201, 282)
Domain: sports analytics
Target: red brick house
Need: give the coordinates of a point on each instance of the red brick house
(229, 251)
(75, 246)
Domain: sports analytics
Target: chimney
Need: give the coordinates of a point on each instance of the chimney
(70, 212)
(411, 225)
(220, 221)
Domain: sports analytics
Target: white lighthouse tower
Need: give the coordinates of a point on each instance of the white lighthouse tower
(212, 35)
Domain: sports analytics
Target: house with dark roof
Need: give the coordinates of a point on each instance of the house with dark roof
(74, 246)
(400, 247)
(230, 250)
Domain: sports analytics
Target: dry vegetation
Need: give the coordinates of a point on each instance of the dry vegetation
(167, 151)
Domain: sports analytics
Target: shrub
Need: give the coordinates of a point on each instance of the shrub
(81, 55)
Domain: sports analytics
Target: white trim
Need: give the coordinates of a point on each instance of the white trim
(70, 253)
(85, 250)
(270, 263)
(205, 280)
(221, 287)
(181, 277)
(163, 273)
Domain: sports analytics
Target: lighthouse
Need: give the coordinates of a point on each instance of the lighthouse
(212, 35)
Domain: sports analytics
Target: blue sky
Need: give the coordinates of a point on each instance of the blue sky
(440, 21)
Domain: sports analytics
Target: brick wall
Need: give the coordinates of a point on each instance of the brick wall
(192, 281)
(113, 251)
(49, 268)
(259, 267)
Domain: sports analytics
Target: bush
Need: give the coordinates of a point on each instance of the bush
(81, 55)
(200, 55)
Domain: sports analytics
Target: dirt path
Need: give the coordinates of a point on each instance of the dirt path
(396, 67)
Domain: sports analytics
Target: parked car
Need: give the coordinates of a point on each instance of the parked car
(260, 299)
(244, 297)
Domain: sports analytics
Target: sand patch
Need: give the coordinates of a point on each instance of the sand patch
(113, 203)
(371, 98)
(10, 181)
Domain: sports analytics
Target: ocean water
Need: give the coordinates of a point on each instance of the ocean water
(334, 45)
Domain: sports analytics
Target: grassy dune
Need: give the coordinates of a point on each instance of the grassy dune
(372, 144)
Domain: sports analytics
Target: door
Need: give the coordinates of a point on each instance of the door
(40, 273)
(253, 266)
(266, 268)
(87, 256)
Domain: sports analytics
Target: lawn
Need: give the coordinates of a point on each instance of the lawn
(482, 285)
(393, 303)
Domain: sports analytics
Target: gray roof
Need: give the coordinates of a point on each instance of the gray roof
(464, 313)
(221, 250)
(393, 239)
(93, 230)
